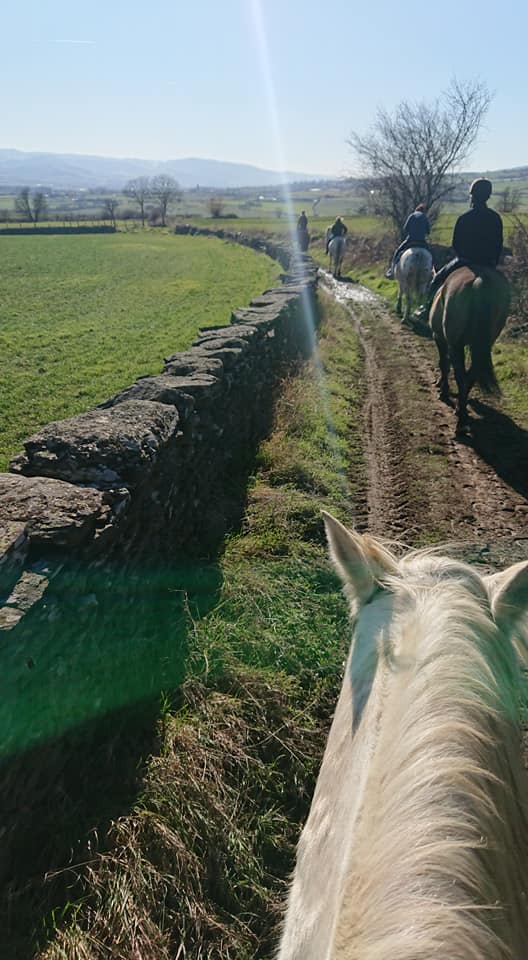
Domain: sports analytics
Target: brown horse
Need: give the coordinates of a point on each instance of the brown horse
(469, 310)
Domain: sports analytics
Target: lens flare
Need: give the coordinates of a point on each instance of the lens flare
(300, 261)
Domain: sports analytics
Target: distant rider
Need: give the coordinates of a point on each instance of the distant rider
(415, 230)
(477, 239)
(302, 231)
(302, 222)
(338, 229)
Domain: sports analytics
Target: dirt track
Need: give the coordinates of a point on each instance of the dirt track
(423, 484)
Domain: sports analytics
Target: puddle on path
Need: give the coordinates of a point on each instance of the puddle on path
(346, 291)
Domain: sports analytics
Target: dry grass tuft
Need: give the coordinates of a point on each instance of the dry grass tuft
(199, 868)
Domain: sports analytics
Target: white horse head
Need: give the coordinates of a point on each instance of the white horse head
(416, 845)
(413, 273)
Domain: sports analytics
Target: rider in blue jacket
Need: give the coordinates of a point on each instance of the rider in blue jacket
(415, 230)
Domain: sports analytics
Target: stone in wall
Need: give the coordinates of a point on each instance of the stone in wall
(106, 448)
(54, 513)
(14, 546)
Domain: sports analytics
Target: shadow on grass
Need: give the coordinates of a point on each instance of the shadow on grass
(81, 697)
(502, 443)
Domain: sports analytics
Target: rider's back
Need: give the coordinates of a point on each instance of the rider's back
(416, 227)
(477, 237)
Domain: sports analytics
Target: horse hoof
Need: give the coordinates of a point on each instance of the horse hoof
(463, 431)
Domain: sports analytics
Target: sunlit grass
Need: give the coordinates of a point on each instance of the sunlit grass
(83, 316)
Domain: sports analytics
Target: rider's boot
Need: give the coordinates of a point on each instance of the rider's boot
(422, 312)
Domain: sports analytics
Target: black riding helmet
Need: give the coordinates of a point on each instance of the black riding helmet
(480, 190)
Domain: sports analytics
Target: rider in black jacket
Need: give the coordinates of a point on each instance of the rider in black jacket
(338, 229)
(302, 222)
(477, 238)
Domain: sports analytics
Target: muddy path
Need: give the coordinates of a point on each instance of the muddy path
(423, 484)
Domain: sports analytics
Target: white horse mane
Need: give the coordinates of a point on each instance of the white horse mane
(416, 843)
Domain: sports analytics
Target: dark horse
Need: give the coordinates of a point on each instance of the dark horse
(303, 239)
(469, 310)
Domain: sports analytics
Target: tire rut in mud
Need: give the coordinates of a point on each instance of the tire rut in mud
(423, 484)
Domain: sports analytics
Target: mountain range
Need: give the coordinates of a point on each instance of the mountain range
(73, 171)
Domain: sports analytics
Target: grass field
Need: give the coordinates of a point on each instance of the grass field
(83, 316)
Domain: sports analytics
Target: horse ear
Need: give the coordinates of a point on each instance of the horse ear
(360, 561)
(509, 594)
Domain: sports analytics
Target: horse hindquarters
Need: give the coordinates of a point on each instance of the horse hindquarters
(488, 316)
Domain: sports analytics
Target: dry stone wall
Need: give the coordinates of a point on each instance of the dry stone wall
(103, 517)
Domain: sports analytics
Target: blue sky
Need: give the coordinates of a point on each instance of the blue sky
(269, 82)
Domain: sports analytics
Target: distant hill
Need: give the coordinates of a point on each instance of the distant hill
(69, 170)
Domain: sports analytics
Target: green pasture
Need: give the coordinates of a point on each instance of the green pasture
(265, 204)
(83, 316)
(357, 225)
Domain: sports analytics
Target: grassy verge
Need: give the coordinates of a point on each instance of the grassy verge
(511, 365)
(199, 868)
(84, 316)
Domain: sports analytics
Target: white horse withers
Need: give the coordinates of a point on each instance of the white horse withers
(416, 845)
(413, 273)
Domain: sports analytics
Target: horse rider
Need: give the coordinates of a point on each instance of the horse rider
(302, 231)
(477, 239)
(338, 229)
(302, 222)
(415, 230)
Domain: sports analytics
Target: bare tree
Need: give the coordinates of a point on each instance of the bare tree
(216, 207)
(510, 200)
(31, 208)
(23, 205)
(139, 191)
(109, 210)
(40, 206)
(164, 189)
(410, 155)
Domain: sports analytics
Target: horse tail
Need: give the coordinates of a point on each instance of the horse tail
(480, 338)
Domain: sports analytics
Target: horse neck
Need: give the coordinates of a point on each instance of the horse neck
(443, 759)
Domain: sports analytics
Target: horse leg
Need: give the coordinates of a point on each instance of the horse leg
(399, 303)
(407, 316)
(459, 369)
(443, 361)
